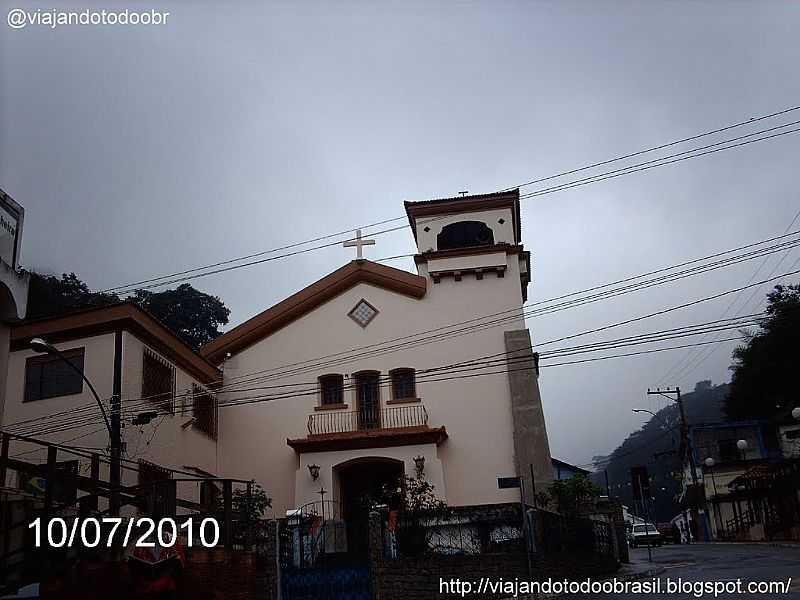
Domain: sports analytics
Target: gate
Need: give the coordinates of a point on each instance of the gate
(318, 557)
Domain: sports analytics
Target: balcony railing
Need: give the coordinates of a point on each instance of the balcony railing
(397, 417)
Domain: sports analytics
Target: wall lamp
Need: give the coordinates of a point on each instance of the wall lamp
(419, 464)
(313, 470)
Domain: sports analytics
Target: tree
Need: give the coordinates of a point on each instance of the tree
(422, 513)
(192, 315)
(246, 507)
(572, 494)
(48, 295)
(764, 367)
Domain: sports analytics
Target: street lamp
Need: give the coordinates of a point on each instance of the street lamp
(649, 412)
(742, 446)
(42, 347)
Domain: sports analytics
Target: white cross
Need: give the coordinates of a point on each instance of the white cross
(359, 243)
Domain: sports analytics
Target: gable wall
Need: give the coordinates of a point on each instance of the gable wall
(475, 411)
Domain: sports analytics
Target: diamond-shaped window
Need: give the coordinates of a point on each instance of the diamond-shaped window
(363, 313)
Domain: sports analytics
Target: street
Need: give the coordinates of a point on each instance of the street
(719, 563)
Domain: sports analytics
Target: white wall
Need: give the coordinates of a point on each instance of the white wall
(307, 490)
(172, 445)
(476, 411)
(98, 366)
(169, 444)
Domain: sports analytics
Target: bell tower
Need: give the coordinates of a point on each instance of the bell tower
(470, 236)
(470, 250)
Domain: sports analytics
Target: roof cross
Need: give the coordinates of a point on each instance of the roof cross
(359, 243)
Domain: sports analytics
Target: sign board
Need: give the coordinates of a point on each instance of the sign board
(505, 483)
(10, 229)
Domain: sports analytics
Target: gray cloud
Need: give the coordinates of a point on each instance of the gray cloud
(243, 126)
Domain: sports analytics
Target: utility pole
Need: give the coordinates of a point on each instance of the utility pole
(115, 447)
(687, 444)
(116, 455)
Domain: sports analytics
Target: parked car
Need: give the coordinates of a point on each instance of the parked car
(645, 534)
(665, 529)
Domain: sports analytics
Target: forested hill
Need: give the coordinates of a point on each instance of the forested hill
(661, 435)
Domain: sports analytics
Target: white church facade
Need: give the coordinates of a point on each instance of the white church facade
(349, 383)
(368, 373)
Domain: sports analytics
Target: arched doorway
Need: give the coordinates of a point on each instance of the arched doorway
(364, 482)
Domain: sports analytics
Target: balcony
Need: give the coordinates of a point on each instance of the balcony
(364, 420)
(368, 428)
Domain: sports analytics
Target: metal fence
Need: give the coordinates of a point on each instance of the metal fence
(557, 533)
(453, 531)
(368, 418)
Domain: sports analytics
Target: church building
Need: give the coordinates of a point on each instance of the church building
(373, 372)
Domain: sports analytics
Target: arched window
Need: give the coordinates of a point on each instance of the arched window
(464, 234)
(404, 384)
(331, 389)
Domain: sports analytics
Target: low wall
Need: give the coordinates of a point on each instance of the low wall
(421, 578)
(418, 578)
(223, 574)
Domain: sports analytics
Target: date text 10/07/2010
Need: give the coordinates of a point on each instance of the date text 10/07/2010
(144, 532)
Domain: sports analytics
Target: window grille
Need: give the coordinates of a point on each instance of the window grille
(403, 384)
(331, 387)
(204, 410)
(158, 381)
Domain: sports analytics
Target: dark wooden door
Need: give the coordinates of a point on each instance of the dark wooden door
(369, 403)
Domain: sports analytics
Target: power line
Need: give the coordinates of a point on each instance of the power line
(654, 148)
(630, 170)
(425, 375)
(229, 267)
(503, 317)
(569, 185)
(225, 265)
(419, 342)
(262, 398)
(690, 364)
(254, 255)
(234, 382)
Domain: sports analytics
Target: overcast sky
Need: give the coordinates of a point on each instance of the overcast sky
(238, 127)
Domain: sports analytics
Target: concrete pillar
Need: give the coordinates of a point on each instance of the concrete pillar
(375, 552)
(269, 567)
(531, 448)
